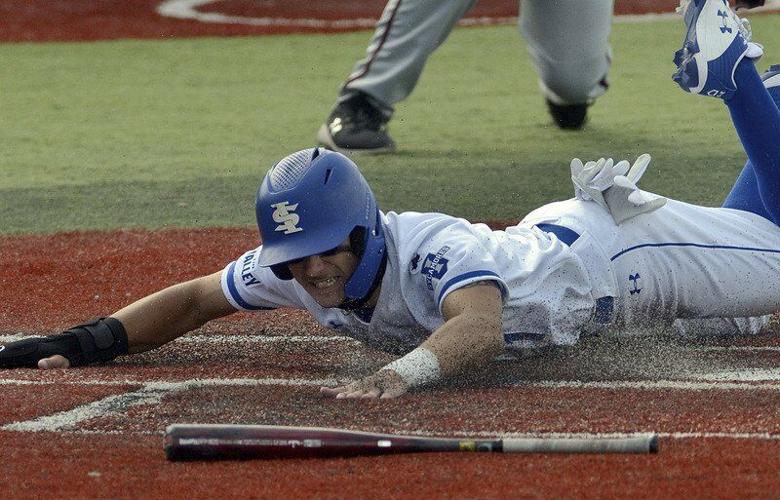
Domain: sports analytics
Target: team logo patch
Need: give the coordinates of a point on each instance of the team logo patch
(634, 279)
(284, 216)
(435, 266)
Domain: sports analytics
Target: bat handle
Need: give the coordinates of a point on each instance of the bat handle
(634, 444)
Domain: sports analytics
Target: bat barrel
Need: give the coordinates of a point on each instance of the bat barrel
(213, 442)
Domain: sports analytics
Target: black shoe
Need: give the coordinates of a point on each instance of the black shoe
(356, 126)
(568, 116)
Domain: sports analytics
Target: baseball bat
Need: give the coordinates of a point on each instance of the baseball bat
(220, 442)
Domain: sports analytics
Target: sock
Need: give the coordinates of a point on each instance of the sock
(757, 121)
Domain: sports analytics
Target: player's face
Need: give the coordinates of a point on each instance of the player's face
(323, 276)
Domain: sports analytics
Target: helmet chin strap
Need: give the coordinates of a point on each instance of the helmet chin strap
(358, 303)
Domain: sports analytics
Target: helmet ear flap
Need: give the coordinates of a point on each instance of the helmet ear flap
(281, 271)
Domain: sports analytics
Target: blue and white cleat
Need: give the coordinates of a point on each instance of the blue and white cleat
(771, 79)
(716, 41)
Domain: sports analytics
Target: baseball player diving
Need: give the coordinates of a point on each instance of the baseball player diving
(446, 295)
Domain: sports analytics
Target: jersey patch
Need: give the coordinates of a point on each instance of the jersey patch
(435, 266)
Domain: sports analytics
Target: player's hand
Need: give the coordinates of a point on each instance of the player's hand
(625, 200)
(591, 179)
(384, 384)
(53, 362)
(614, 186)
(8, 357)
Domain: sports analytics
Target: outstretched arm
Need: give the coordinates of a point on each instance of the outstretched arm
(471, 335)
(165, 315)
(159, 318)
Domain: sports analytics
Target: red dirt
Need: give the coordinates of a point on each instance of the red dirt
(518, 410)
(87, 20)
(89, 279)
(48, 283)
(122, 460)
(109, 466)
(47, 399)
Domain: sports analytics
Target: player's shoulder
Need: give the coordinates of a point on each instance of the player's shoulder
(415, 238)
(413, 222)
(412, 230)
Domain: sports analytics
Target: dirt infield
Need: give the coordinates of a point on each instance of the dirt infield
(96, 432)
(714, 404)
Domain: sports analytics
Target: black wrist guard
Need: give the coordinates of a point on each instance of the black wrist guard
(101, 340)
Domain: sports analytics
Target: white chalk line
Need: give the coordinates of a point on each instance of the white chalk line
(184, 384)
(153, 392)
(188, 9)
(742, 375)
(746, 436)
(317, 339)
(689, 385)
(109, 406)
(267, 339)
(748, 384)
(600, 435)
(221, 339)
(728, 348)
(150, 394)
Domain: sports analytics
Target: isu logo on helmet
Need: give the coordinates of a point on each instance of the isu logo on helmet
(288, 221)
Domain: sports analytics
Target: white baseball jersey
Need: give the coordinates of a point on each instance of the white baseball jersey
(565, 269)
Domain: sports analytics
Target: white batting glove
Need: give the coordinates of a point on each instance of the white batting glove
(614, 186)
(594, 177)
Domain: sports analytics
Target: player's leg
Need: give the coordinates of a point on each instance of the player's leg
(745, 195)
(716, 60)
(568, 42)
(405, 36)
(756, 118)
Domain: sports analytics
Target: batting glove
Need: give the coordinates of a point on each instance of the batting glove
(614, 186)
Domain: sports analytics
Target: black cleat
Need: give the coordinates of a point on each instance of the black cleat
(356, 126)
(568, 116)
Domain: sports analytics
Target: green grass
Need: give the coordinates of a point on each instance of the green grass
(180, 132)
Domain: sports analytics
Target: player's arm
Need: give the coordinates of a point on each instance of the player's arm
(143, 325)
(165, 315)
(471, 335)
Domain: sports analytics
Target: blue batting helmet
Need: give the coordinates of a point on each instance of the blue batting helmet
(309, 203)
